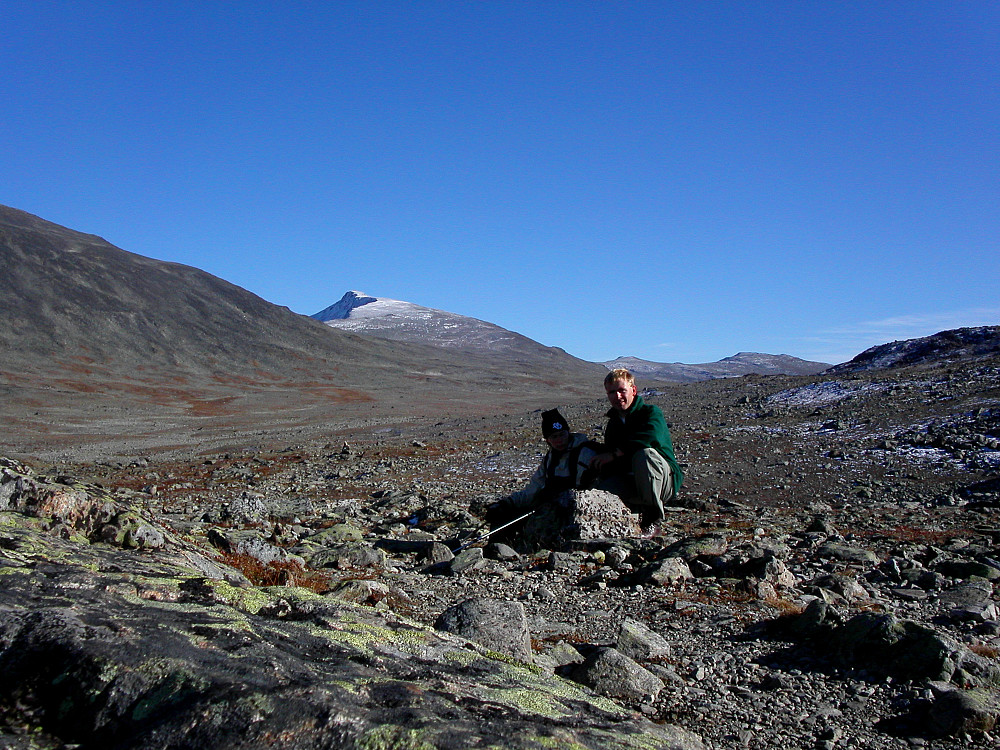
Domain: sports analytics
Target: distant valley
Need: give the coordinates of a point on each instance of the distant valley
(104, 349)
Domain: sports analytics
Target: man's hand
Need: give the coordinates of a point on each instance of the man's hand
(482, 505)
(601, 460)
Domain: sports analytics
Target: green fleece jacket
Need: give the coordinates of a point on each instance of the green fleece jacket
(644, 426)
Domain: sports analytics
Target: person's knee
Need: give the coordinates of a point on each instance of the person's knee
(653, 472)
(650, 463)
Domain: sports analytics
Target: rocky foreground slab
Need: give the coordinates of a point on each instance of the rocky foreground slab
(115, 633)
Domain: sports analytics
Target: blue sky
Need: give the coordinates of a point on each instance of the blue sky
(676, 181)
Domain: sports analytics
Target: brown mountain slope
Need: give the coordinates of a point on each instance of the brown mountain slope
(97, 342)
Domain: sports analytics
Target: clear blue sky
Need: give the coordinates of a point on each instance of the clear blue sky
(676, 181)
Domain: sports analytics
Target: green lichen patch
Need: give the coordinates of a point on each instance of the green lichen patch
(408, 640)
(250, 600)
(388, 737)
(528, 701)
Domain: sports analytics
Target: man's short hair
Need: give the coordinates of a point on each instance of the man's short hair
(619, 373)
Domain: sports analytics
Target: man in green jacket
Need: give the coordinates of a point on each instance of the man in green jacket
(638, 462)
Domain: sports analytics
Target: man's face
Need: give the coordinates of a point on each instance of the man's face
(621, 394)
(558, 441)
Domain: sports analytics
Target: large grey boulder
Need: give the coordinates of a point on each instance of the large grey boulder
(251, 544)
(847, 553)
(638, 642)
(500, 626)
(595, 514)
(667, 572)
(348, 556)
(908, 650)
(465, 561)
(967, 685)
(955, 711)
(706, 545)
(610, 672)
(248, 508)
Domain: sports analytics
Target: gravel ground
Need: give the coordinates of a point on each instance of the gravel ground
(899, 468)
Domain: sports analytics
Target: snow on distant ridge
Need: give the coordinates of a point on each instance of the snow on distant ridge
(956, 343)
(355, 306)
(404, 321)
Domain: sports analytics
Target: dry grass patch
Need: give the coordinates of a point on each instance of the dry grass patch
(276, 573)
(990, 652)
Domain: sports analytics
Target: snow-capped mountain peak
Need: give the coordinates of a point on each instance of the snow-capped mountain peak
(393, 319)
(354, 305)
(404, 321)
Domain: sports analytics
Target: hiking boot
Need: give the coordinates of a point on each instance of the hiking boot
(654, 529)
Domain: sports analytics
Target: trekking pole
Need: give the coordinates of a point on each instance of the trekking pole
(481, 537)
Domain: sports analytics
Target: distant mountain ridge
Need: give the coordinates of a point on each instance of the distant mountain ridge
(743, 363)
(393, 319)
(958, 343)
(357, 312)
(405, 321)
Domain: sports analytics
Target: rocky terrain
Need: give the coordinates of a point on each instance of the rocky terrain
(224, 525)
(830, 580)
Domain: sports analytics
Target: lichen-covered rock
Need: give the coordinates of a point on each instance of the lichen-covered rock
(103, 647)
(438, 553)
(956, 711)
(843, 587)
(350, 556)
(248, 508)
(668, 572)
(360, 590)
(902, 648)
(846, 553)
(700, 546)
(972, 593)
(906, 649)
(466, 560)
(338, 534)
(79, 510)
(132, 532)
(595, 514)
(251, 544)
(966, 569)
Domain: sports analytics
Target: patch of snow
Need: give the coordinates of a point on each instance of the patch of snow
(825, 393)
(922, 455)
(763, 429)
(985, 459)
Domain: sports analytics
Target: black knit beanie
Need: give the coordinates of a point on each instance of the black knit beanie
(553, 421)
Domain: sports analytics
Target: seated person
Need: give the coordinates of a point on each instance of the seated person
(637, 461)
(566, 466)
